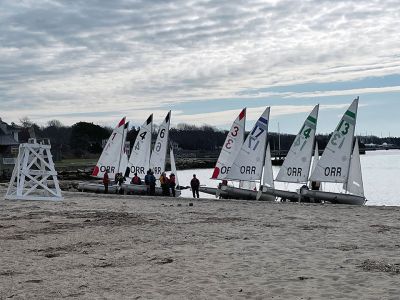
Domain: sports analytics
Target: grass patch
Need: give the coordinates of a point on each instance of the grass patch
(76, 162)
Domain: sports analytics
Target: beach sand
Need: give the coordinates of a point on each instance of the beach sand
(127, 247)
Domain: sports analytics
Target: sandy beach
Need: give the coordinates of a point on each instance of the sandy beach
(128, 247)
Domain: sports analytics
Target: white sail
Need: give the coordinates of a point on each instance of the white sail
(230, 149)
(334, 163)
(173, 165)
(268, 177)
(110, 158)
(123, 160)
(296, 166)
(139, 161)
(249, 162)
(159, 154)
(124, 163)
(355, 183)
(316, 157)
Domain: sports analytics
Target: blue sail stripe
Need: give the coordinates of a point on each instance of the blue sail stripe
(261, 119)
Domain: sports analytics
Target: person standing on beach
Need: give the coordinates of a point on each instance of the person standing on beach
(119, 179)
(152, 183)
(106, 181)
(147, 181)
(195, 184)
(164, 184)
(172, 184)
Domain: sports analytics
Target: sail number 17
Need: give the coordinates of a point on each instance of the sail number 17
(253, 137)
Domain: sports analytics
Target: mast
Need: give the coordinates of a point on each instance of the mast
(279, 142)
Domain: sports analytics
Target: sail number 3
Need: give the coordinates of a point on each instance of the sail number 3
(230, 142)
(343, 129)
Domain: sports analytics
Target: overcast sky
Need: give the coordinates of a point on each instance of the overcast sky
(98, 60)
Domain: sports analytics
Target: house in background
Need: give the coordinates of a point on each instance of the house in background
(9, 143)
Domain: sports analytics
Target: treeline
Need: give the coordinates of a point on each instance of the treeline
(85, 140)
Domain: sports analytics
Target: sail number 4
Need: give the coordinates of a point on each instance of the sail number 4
(306, 134)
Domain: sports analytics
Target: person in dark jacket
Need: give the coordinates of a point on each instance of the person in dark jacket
(172, 184)
(152, 183)
(106, 181)
(119, 179)
(147, 181)
(195, 184)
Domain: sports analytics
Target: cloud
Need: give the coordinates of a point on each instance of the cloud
(329, 93)
(61, 58)
(226, 117)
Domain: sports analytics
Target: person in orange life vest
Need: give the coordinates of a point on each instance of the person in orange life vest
(106, 181)
(164, 184)
(136, 179)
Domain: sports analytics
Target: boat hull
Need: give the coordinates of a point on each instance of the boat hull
(231, 192)
(336, 198)
(96, 188)
(141, 189)
(284, 195)
(212, 191)
(217, 192)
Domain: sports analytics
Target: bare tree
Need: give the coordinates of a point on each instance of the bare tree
(25, 122)
(54, 123)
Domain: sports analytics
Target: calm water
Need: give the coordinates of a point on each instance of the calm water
(381, 176)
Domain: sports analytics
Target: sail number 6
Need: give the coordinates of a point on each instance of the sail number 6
(162, 133)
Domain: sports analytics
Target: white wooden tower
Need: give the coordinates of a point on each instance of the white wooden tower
(34, 176)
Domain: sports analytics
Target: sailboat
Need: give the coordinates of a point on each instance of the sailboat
(230, 149)
(142, 160)
(249, 162)
(339, 164)
(139, 161)
(296, 166)
(159, 155)
(112, 159)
